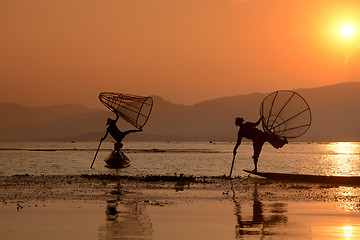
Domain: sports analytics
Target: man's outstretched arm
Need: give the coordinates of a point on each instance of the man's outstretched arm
(238, 142)
(117, 116)
(103, 138)
(258, 122)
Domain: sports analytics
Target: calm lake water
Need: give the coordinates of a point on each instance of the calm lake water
(188, 158)
(245, 212)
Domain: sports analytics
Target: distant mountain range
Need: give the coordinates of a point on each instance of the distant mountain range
(335, 112)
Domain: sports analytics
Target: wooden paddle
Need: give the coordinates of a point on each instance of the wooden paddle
(96, 153)
(232, 165)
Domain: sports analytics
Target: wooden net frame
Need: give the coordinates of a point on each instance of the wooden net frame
(286, 114)
(133, 109)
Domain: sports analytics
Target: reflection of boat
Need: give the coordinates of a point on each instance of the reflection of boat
(340, 180)
(117, 160)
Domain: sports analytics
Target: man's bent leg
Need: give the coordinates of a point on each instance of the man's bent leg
(257, 145)
(256, 158)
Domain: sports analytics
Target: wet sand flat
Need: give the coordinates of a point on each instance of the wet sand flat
(51, 220)
(174, 207)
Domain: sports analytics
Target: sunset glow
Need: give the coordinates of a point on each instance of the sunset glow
(347, 30)
(183, 51)
(180, 119)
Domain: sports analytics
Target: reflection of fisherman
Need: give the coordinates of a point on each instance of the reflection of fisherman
(116, 133)
(266, 219)
(249, 131)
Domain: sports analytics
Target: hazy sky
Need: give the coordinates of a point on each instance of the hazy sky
(68, 51)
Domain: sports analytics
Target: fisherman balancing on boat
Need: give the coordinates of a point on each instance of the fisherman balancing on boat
(249, 131)
(116, 133)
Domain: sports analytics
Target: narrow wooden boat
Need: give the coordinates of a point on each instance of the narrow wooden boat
(117, 160)
(292, 177)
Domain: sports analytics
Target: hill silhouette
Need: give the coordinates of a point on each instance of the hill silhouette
(335, 112)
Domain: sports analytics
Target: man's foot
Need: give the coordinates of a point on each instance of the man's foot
(255, 170)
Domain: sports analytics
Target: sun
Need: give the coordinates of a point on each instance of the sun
(347, 30)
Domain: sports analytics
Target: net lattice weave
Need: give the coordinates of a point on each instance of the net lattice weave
(286, 114)
(133, 109)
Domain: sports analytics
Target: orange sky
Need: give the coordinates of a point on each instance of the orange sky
(68, 51)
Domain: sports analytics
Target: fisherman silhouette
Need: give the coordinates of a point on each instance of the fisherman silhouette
(249, 131)
(116, 133)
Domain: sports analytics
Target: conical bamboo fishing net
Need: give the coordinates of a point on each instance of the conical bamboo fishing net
(286, 114)
(133, 109)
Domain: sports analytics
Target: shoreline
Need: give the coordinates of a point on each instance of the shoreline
(102, 186)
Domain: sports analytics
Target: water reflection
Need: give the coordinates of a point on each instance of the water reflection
(278, 220)
(125, 219)
(266, 219)
(348, 232)
(343, 147)
(351, 232)
(347, 198)
(341, 158)
(255, 217)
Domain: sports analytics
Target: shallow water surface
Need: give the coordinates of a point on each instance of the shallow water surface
(162, 158)
(69, 207)
(257, 220)
(204, 219)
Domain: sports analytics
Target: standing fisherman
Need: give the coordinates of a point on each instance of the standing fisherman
(116, 133)
(249, 131)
